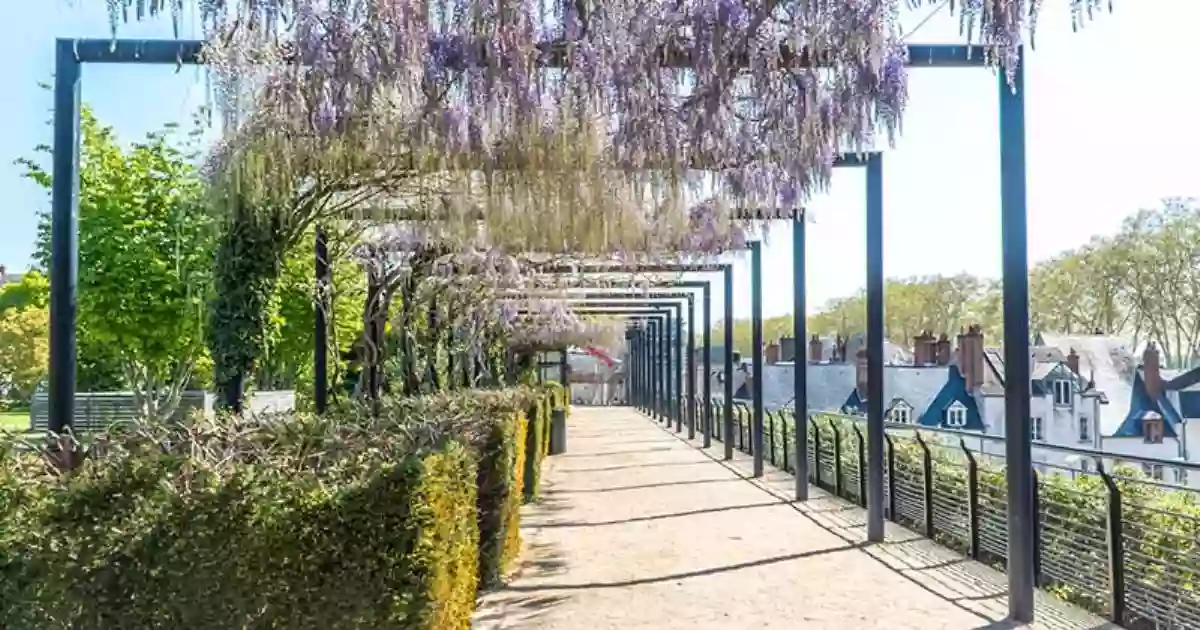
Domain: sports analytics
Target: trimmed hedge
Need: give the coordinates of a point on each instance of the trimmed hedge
(341, 522)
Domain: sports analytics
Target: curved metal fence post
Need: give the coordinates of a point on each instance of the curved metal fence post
(706, 317)
(771, 437)
(862, 466)
(927, 479)
(783, 430)
(837, 458)
(816, 428)
(972, 501)
(891, 476)
(1116, 549)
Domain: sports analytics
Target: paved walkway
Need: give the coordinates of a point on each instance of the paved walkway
(639, 529)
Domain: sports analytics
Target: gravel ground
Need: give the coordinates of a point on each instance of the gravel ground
(640, 529)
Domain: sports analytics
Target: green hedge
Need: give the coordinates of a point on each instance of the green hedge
(347, 521)
(1160, 549)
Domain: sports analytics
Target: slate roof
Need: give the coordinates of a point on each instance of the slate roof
(1142, 404)
(1108, 362)
(918, 386)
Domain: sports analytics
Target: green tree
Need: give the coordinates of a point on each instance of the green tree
(145, 252)
(287, 360)
(33, 290)
(24, 350)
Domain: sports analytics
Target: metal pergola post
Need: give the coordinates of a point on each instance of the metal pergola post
(756, 335)
(727, 430)
(672, 368)
(875, 304)
(691, 367)
(70, 54)
(706, 302)
(800, 370)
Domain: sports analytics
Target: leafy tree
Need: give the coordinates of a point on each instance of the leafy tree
(288, 357)
(24, 350)
(33, 290)
(145, 252)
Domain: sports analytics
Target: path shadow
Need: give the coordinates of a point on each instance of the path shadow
(938, 570)
(684, 575)
(656, 517)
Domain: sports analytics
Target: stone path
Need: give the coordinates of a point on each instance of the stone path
(639, 529)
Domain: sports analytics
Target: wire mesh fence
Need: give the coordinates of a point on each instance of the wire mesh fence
(1114, 541)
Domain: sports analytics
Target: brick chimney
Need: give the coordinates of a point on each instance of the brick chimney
(815, 349)
(1073, 361)
(771, 353)
(3, 274)
(787, 348)
(860, 373)
(924, 348)
(840, 353)
(1152, 371)
(943, 350)
(971, 355)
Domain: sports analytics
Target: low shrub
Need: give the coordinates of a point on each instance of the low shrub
(348, 521)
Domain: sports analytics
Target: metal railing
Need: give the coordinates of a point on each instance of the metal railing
(1109, 539)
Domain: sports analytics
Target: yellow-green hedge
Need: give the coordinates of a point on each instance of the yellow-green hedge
(347, 522)
(535, 449)
(501, 488)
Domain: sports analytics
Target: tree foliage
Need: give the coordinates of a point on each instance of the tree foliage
(24, 350)
(1143, 283)
(144, 260)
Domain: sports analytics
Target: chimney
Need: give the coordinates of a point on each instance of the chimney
(1151, 373)
(923, 348)
(943, 350)
(860, 373)
(841, 349)
(816, 349)
(771, 353)
(1073, 361)
(971, 355)
(787, 348)
(3, 274)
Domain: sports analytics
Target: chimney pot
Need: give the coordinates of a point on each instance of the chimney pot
(1073, 361)
(816, 349)
(772, 353)
(860, 373)
(1151, 370)
(943, 350)
(787, 349)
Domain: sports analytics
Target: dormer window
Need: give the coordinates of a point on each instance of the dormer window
(1152, 429)
(956, 416)
(901, 412)
(1062, 393)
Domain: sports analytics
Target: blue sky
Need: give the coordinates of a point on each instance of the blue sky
(1110, 113)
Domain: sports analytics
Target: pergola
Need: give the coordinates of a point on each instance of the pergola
(71, 54)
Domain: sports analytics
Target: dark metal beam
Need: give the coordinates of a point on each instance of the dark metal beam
(64, 238)
(800, 371)
(756, 334)
(706, 305)
(727, 430)
(553, 54)
(691, 367)
(875, 305)
(1022, 527)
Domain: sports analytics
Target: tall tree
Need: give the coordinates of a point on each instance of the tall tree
(145, 251)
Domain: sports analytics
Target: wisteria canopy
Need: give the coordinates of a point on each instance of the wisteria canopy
(562, 126)
(619, 129)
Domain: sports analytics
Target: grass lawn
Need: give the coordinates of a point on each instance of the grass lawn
(14, 421)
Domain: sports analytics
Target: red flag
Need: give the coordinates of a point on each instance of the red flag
(599, 354)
